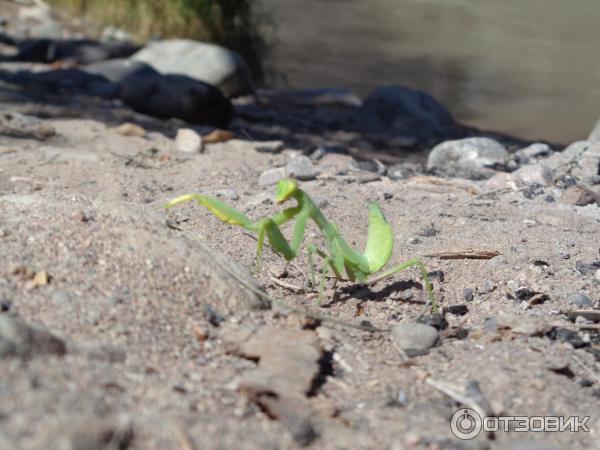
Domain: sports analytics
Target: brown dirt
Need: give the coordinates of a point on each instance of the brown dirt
(84, 206)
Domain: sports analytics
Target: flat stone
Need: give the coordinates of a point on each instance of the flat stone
(301, 168)
(579, 196)
(580, 300)
(288, 363)
(470, 157)
(414, 339)
(533, 174)
(17, 125)
(523, 324)
(588, 314)
(270, 177)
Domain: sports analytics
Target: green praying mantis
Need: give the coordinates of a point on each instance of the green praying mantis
(339, 257)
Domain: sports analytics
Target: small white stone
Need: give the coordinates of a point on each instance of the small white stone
(187, 140)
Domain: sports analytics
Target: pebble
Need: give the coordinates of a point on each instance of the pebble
(565, 255)
(566, 335)
(403, 171)
(414, 339)
(368, 166)
(535, 150)
(580, 300)
(130, 129)
(468, 294)
(597, 275)
(5, 305)
(476, 156)
(488, 286)
(301, 168)
(533, 174)
(523, 324)
(13, 124)
(269, 147)
(499, 260)
(457, 310)
(429, 231)
(587, 268)
(271, 176)
(188, 141)
(579, 196)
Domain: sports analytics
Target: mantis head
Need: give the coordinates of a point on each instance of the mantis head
(285, 189)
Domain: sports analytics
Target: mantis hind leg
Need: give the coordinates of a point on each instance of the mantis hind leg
(415, 262)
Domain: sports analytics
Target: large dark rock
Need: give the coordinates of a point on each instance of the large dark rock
(403, 112)
(73, 81)
(177, 96)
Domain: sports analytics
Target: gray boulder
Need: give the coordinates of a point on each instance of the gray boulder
(209, 63)
(471, 157)
(117, 70)
(401, 111)
(176, 96)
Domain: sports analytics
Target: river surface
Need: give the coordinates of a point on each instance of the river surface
(530, 68)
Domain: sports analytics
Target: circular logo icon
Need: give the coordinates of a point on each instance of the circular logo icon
(465, 423)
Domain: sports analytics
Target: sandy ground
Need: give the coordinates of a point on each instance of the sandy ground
(154, 329)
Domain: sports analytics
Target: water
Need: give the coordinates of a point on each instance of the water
(530, 68)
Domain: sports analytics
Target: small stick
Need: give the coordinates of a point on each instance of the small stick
(292, 287)
(504, 190)
(463, 254)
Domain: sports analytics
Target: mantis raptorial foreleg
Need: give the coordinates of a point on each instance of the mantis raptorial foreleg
(268, 226)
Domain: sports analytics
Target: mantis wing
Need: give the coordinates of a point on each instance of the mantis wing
(380, 239)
